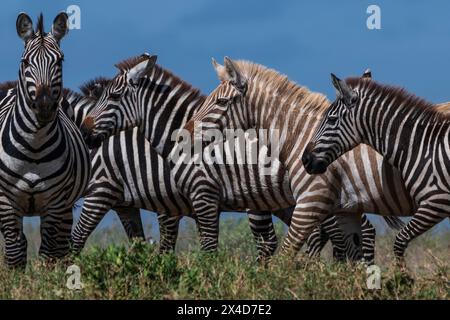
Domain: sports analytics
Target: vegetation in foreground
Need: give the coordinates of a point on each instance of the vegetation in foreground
(136, 271)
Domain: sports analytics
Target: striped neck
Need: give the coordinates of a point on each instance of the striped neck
(397, 124)
(164, 104)
(77, 106)
(273, 102)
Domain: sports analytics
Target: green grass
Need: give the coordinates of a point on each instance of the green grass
(136, 271)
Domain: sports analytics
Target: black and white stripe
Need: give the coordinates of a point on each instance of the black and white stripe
(410, 133)
(159, 105)
(126, 150)
(251, 96)
(44, 163)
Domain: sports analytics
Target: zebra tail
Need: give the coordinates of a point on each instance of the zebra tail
(394, 222)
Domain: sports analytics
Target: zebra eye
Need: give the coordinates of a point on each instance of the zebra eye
(115, 96)
(222, 101)
(332, 120)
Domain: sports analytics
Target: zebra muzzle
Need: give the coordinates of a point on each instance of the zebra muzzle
(46, 109)
(312, 164)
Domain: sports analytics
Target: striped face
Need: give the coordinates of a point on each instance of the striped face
(40, 73)
(117, 108)
(225, 106)
(336, 133)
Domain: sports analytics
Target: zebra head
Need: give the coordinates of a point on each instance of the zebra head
(337, 132)
(112, 112)
(40, 73)
(225, 106)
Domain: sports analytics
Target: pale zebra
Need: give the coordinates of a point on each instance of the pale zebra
(127, 175)
(160, 103)
(410, 133)
(253, 96)
(44, 163)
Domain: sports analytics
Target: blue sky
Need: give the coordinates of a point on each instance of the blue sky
(304, 39)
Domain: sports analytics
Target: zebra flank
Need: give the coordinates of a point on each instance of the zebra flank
(253, 96)
(411, 134)
(159, 103)
(131, 162)
(44, 162)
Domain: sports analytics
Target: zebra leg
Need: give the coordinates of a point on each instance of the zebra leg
(328, 230)
(424, 219)
(368, 235)
(264, 234)
(206, 210)
(131, 221)
(303, 222)
(11, 227)
(55, 234)
(168, 232)
(92, 213)
(316, 241)
(350, 225)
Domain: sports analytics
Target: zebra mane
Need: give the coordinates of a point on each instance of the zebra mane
(130, 63)
(175, 81)
(69, 92)
(5, 86)
(279, 85)
(93, 88)
(40, 25)
(407, 98)
(443, 107)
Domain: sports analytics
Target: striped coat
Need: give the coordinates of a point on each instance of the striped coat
(251, 96)
(411, 134)
(159, 104)
(44, 163)
(128, 174)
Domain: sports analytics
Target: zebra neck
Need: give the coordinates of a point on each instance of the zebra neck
(398, 131)
(164, 112)
(78, 107)
(288, 119)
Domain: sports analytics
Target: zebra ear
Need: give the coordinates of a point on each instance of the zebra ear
(141, 69)
(234, 75)
(24, 26)
(348, 95)
(367, 74)
(220, 70)
(60, 26)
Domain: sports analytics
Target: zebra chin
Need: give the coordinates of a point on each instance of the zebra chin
(93, 141)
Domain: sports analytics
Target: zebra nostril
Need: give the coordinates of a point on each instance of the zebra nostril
(306, 158)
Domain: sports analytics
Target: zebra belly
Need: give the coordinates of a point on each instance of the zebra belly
(370, 184)
(249, 187)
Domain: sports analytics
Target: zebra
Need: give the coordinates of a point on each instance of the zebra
(44, 161)
(160, 103)
(114, 155)
(253, 96)
(410, 133)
